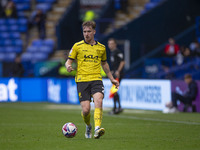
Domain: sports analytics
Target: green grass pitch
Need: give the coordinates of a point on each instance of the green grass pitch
(37, 126)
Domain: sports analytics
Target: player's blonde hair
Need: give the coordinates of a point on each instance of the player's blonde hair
(89, 24)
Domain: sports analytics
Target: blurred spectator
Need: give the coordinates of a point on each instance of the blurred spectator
(182, 55)
(89, 15)
(38, 18)
(17, 68)
(194, 45)
(187, 52)
(171, 49)
(196, 51)
(9, 11)
(186, 98)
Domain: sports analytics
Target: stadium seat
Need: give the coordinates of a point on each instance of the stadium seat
(46, 49)
(37, 42)
(49, 42)
(13, 28)
(9, 57)
(9, 35)
(40, 56)
(2, 21)
(21, 1)
(2, 56)
(2, 49)
(14, 35)
(21, 14)
(22, 28)
(17, 42)
(11, 21)
(27, 56)
(5, 42)
(4, 35)
(22, 21)
(33, 49)
(45, 1)
(23, 6)
(44, 6)
(155, 1)
(16, 49)
(3, 28)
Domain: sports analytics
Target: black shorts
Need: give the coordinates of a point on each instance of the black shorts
(87, 89)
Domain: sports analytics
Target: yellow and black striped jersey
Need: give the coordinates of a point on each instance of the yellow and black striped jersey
(89, 59)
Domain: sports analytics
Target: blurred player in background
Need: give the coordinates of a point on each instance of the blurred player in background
(117, 65)
(90, 55)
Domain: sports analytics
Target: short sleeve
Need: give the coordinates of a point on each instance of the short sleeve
(120, 55)
(104, 57)
(73, 52)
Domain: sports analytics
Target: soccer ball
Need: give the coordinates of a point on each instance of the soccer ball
(69, 130)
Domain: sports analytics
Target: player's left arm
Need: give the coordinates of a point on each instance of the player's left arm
(106, 69)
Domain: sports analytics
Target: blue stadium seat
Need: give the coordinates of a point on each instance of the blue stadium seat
(22, 28)
(37, 42)
(9, 35)
(2, 56)
(23, 6)
(33, 49)
(44, 6)
(22, 21)
(40, 56)
(17, 42)
(14, 35)
(46, 49)
(21, 1)
(45, 1)
(4, 35)
(3, 28)
(9, 57)
(155, 1)
(5, 42)
(16, 49)
(21, 14)
(2, 49)
(11, 21)
(27, 56)
(2, 21)
(13, 28)
(49, 42)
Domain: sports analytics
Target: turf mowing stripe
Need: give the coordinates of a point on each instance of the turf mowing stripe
(152, 119)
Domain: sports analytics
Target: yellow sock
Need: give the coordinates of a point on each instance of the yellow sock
(98, 117)
(86, 118)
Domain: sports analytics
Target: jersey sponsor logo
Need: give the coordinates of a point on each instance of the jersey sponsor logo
(91, 56)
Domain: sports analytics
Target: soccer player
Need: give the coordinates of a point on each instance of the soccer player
(117, 65)
(90, 55)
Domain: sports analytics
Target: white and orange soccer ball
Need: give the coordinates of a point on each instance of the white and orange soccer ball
(69, 130)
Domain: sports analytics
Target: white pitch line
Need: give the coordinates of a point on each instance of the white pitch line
(152, 119)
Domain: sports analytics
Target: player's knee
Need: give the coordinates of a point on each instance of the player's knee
(86, 111)
(98, 103)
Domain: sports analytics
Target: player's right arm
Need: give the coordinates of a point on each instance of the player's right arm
(71, 57)
(68, 65)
